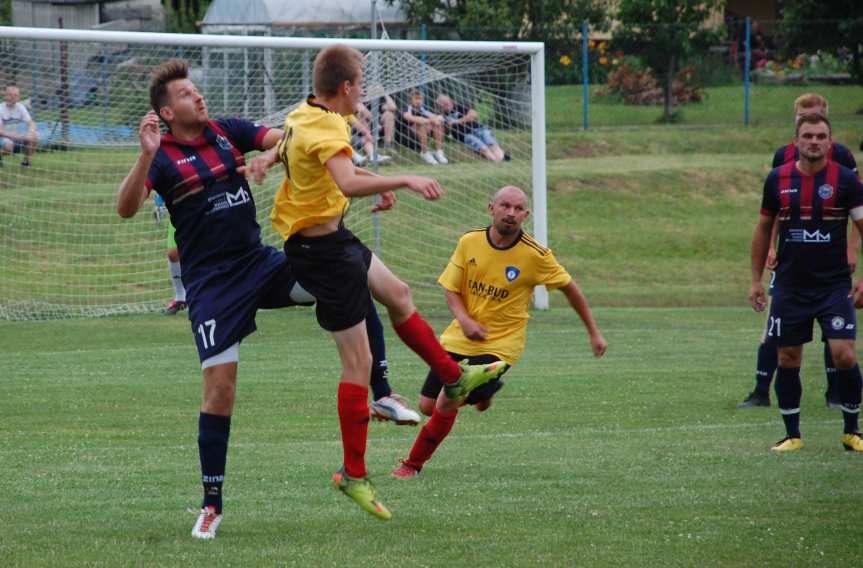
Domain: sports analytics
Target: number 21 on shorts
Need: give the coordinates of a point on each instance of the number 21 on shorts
(774, 327)
(208, 332)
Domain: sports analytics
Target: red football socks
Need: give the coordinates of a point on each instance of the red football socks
(419, 336)
(430, 437)
(354, 423)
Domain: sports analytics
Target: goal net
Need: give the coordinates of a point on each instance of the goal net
(64, 252)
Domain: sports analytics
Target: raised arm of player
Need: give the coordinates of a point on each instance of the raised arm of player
(760, 244)
(133, 190)
(578, 301)
(257, 167)
(472, 329)
(345, 175)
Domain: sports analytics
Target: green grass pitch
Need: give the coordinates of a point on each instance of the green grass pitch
(638, 459)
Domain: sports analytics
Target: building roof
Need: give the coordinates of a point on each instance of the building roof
(297, 13)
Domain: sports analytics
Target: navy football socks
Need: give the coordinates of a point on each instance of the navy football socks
(768, 359)
(213, 432)
(378, 382)
(848, 384)
(788, 393)
(830, 370)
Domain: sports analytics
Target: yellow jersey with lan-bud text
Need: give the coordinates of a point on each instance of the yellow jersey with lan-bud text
(309, 195)
(496, 286)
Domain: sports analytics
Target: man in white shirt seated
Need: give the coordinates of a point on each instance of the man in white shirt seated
(17, 129)
(424, 123)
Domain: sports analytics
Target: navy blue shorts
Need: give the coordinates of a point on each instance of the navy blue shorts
(333, 268)
(433, 384)
(224, 301)
(793, 314)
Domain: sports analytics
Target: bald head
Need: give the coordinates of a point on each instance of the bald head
(508, 209)
(510, 192)
(444, 103)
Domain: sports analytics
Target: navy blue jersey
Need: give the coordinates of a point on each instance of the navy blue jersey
(458, 131)
(813, 219)
(211, 205)
(837, 153)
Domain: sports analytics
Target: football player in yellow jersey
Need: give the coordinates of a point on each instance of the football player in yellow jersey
(336, 268)
(488, 285)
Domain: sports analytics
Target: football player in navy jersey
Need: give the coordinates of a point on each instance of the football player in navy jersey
(811, 199)
(817, 104)
(767, 355)
(198, 167)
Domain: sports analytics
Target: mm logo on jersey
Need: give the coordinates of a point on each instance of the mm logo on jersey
(238, 198)
(804, 236)
(228, 199)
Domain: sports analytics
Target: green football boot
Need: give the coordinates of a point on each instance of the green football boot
(473, 376)
(363, 493)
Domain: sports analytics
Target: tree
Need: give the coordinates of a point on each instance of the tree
(810, 25)
(664, 33)
(182, 16)
(526, 20)
(556, 22)
(5, 12)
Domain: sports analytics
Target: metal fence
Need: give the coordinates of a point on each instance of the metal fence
(745, 76)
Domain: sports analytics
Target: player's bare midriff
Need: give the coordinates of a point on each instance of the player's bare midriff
(322, 229)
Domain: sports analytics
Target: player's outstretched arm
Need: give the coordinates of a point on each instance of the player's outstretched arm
(472, 329)
(133, 190)
(257, 167)
(760, 244)
(345, 175)
(387, 199)
(578, 301)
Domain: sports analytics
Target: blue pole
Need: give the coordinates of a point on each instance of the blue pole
(585, 77)
(747, 60)
(424, 34)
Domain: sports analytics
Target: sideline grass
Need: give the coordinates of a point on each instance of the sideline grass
(639, 459)
(769, 105)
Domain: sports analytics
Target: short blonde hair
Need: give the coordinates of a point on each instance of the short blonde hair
(809, 101)
(333, 66)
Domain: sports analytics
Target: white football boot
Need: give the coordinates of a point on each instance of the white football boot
(207, 524)
(395, 408)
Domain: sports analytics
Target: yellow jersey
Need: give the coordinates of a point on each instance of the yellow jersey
(496, 286)
(309, 195)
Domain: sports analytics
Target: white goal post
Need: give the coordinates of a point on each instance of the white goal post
(65, 253)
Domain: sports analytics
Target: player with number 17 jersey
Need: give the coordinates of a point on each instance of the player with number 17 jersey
(227, 271)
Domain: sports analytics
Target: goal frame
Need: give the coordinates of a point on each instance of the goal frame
(536, 50)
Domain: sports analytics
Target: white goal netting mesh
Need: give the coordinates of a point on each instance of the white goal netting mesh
(64, 252)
